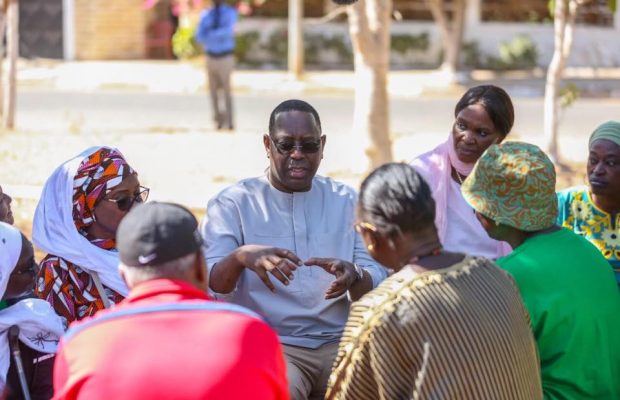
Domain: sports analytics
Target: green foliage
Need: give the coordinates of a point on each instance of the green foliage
(471, 56)
(340, 45)
(183, 43)
(244, 42)
(315, 44)
(277, 46)
(551, 6)
(403, 43)
(521, 52)
(568, 95)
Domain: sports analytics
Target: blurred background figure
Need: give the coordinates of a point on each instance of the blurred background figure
(216, 34)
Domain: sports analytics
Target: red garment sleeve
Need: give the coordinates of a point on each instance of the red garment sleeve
(66, 386)
(263, 350)
(61, 373)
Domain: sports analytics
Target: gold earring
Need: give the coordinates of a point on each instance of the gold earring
(370, 247)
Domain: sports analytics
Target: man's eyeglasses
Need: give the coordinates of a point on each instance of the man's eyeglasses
(308, 147)
(126, 202)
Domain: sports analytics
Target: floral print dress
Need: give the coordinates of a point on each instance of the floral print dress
(578, 212)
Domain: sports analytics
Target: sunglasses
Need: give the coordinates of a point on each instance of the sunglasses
(126, 202)
(308, 147)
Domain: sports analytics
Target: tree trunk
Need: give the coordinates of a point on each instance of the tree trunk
(451, 30)
(3, 16)
(369, 24)
(564, 23)
(12, 40)
(295, 38)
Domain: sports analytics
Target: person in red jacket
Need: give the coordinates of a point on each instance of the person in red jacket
(168, 339)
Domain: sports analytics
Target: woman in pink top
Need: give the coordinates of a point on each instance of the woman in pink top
(483, 116)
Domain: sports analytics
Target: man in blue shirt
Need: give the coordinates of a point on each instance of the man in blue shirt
(216, 34)
(283, 244)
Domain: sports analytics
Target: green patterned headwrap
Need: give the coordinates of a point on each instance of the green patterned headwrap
(610, 130)
(514, 184)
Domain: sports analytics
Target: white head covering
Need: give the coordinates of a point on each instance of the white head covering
(54, 230)
(39, 326)
(10, 250)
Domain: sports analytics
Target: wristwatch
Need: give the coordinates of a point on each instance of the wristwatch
(359, 272)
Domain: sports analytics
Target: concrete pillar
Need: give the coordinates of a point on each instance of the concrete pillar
(12, 52)
(68, 29)
(473, 10)
(295, 38)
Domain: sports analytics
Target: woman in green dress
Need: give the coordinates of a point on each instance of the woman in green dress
(593, 211)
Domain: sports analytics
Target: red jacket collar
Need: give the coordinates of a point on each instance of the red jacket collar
(165, 289)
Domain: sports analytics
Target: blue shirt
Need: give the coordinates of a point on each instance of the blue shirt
(317, 223)
(216, 33)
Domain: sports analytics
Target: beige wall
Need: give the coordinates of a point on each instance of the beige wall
(109, 29)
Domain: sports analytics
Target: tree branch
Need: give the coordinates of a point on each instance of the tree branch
(333, 14)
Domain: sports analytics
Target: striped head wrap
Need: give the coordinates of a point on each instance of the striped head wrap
(610, 130)
(96, 176)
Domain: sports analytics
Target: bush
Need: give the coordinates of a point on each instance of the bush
(244, 42)
(403, 43)
(471, 56)
(519, 53)
(183, 43)
(568, 95)
(277, 46)
(341, 46)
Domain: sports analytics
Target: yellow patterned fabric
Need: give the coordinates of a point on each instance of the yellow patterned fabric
(455, 333)
(578, 213)
(514, 184)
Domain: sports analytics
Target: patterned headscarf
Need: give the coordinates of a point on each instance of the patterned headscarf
(96, 176)
(514, 184)
(610, 130)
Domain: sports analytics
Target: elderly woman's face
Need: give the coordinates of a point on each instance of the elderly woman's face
(473, 133)
(604, 168)
(108, 212)
(6, 215)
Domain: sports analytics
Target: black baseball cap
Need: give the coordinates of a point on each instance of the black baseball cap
(155, 232)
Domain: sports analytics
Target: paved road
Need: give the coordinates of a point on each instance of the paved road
(167, 137)
(130, 112)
